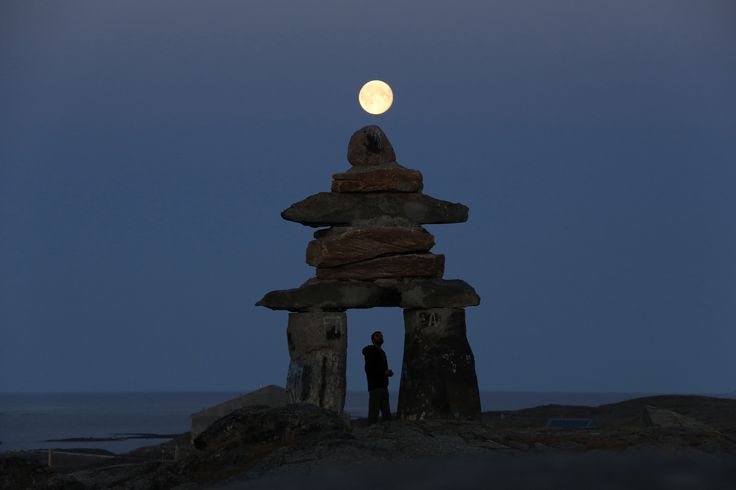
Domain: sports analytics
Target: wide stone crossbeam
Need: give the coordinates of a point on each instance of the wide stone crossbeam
(342, 208)
(335, 295)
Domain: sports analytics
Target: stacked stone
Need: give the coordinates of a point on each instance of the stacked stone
(375, 252)
(375, 245)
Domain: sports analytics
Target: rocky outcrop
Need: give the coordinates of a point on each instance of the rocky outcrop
(283, 425)
(253, 445)
(17, 473)
(270, 396)
(339, 208)
(348, 245)
(246, 443)
(334, 295)
(668, 419)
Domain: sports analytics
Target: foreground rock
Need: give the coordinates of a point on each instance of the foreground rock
(21, 473)
(251, 440)
(339, 208)
(291, 424)
(253, 445)
(270, 396)
(337, 295)
(669, 419)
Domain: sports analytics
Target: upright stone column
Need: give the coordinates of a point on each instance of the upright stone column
(318, 348)
(438, 374)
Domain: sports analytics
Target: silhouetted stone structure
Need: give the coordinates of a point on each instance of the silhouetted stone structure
(374, 252)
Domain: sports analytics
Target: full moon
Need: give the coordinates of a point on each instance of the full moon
(375, 97)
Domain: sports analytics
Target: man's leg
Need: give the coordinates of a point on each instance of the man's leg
(374, 405)
(385, 406)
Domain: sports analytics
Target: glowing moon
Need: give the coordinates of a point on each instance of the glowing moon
(375, 97)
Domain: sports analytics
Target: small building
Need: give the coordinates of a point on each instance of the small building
(270, 396)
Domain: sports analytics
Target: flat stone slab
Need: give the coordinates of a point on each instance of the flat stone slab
(348, 245)
(343, 208)
(379, 222)
(341, 295)
(386, 178)
(391, 266)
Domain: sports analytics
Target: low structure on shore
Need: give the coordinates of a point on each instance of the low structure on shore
(373, 252)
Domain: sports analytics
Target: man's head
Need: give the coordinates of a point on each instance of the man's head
(377, 338)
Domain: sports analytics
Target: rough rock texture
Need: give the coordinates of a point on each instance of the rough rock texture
(438, 377)
(342, 208)
(318, 344)
(332, 296)
(387, 178)
(253, 447)
(370, 146)
(718, 413)
(287, 424)
(340, 295)
(378, 222)
(398, 266)
(18, 473)
(357, 244)
(661, 417)
(245, 443)
(437, 293)
(270, 396)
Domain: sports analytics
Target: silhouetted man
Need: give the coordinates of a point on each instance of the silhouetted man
(377, 372)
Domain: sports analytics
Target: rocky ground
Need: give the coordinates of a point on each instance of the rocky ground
(678, 442)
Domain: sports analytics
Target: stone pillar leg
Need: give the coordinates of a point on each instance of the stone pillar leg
(438, 373)
(318, 348)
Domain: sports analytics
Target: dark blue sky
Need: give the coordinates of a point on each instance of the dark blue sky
(148, 147)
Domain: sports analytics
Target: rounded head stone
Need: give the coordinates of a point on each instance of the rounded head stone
(370, 146)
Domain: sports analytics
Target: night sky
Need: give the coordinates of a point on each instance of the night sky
(147, 148)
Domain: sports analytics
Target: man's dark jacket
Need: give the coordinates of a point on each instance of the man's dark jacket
(376, 366)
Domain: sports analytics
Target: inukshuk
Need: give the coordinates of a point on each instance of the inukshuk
(374, 252)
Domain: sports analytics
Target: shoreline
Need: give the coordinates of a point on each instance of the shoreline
(255, 444)
(535, 416)
(115, 437)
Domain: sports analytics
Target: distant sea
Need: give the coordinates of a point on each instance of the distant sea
(28, 420)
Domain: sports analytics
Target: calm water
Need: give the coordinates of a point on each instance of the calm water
(27, 420)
